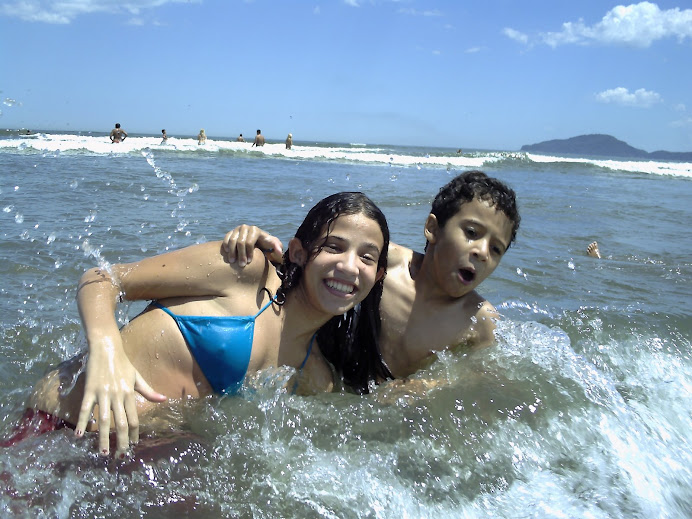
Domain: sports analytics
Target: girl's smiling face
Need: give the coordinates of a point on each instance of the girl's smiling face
(344, 270)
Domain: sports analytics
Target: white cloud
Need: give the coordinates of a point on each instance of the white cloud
(64, 11)
(640, 98)
(415, 12)
(515, 35)
(680, 123)
(352, 3)
(680, 107)
(638, 25)
(473, 50)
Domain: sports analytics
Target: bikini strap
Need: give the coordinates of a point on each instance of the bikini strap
(308, 354)
(159, 305)
(265, 307)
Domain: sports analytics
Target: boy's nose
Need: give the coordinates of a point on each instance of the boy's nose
(481, 250)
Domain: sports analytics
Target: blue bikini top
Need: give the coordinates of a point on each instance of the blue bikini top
(221, 345)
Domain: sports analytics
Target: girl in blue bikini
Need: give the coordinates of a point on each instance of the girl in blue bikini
(211, 322)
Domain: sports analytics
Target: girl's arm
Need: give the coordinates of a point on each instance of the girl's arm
(111, 379)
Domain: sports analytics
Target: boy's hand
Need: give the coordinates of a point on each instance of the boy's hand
(239, 243)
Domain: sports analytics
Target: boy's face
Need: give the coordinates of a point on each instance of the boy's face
(469, 247)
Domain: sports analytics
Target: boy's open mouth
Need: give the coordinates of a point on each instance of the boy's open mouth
(467, 275)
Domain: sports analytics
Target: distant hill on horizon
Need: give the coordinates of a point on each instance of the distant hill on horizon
(601, 145)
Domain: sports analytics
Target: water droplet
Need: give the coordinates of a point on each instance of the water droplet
(19, 218)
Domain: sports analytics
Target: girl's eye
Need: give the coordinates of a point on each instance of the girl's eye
(331, 247)
(471, 232)
(497, 251)
(369, 259)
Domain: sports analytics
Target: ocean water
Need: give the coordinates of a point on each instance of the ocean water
(582, 409)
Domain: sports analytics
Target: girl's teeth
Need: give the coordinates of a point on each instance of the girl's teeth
(341, 287)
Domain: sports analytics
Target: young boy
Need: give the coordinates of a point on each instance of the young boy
(429, 302)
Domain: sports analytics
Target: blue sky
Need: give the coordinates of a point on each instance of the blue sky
(494, 74)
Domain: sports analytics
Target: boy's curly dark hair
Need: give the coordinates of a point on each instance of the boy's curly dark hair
(475, 184)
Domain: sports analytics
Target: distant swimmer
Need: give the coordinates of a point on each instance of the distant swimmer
(164, 136)
(259, 139)
(240, 138)
(201, 137)
(592, 250)
(289, 141)
(118, 134)
(459, 151)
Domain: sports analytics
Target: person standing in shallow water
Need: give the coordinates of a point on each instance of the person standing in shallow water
(259, 139)
(118, 134)
(201, 137)
(289, 141)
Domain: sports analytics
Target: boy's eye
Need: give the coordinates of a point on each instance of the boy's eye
(497, 250)
(471, 232)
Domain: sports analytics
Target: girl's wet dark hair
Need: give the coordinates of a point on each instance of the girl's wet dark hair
(475, 184)
(350, 342)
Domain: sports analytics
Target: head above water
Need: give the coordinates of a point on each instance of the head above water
(350, 342)
(475, 184)
(319, 219)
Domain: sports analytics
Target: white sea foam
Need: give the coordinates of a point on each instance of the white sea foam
(398, 156)
(682, 169)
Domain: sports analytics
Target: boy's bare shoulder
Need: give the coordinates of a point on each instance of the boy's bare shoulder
(481, 331)
(400, 257)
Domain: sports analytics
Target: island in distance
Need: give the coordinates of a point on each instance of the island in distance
(601, 145)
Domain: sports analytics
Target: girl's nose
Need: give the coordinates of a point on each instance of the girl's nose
(349, 263)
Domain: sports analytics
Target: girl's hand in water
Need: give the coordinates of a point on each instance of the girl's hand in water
(111, 383)
(239, 243)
